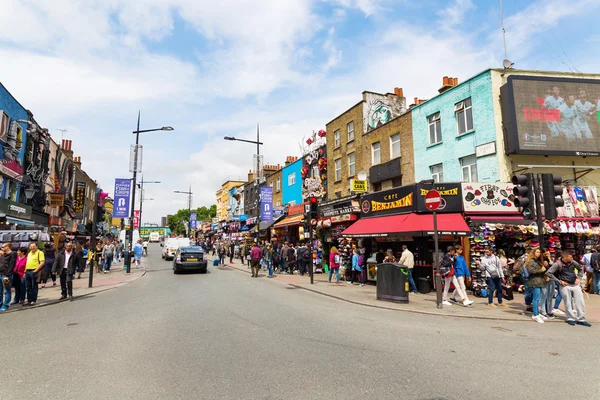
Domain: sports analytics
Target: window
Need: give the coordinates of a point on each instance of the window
(464, 116)
(351, 131)
(397, 182)
(437, 172)
(394, 146)
(351, 165)
(292, 203)
(376, 153)
(469, 168)
(435, 128)
(278, 184)
(376, 187)
(278, 204)
(315, 171)
(292, 179)
(338, 169)
(337, 138)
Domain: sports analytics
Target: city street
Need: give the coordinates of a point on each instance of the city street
(225, 335)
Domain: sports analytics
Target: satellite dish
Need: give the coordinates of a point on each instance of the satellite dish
(362, 175)
(507, 64)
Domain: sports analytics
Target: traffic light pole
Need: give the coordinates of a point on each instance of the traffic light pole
(538, 210)
(93, 239)
(310, 243)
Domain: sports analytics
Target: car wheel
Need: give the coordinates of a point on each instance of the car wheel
(175, 271)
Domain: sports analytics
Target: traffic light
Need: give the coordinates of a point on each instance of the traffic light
(99, 214)
(313, 208)
(524, 195)
(552, 192)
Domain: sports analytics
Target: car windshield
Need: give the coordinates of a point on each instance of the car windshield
(194, 249)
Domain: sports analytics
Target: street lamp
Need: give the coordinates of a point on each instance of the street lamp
(29, 192)
(189, 193)
(258, 143)
(137, 142)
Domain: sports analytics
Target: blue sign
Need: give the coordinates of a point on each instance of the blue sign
(266, 203)
(121, 198)
(243, 217)
(193, 220)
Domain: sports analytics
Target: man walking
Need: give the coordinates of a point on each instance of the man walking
(268, 259)
(7, 266)
(490, 265)
(255, 257)
(62, 267)
(107, 256)
(563, 272)
(408, 260)
(120, 248)
(35, 262)
(595, 264)
(291, 259)
(303, 259)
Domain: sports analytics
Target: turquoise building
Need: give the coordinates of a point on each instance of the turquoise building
(291, 183)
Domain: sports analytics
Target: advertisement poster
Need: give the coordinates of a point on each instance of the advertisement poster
(121, 199)
(57, 200)
(12, 152)
(136, 219)
(450, 193)
(388, 202)
(481, 197)
(79, 199)
(555, 115)
(193, 217)
(266, 203)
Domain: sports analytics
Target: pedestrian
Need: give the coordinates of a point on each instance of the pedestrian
(334, 264)
(63, 266)
(214, 249)
(81, 259)
(490, 265)
(461, 273)
(389, 256)
(291, 259)
(221, 254)
(380, 256)
(408, 260)
(595, 263)
(589, 271)
(563, 272)
(50, 256)
(108, 253)
(138, 251)
(231, 252)
(547, 295)
(145, 244)
(304, 258)
(447, 271)
(35, 263)
(97, 256)
(356, 269)
(537, 274)
(268, 259)
(7, 266)
(255, 257)
(19, 276)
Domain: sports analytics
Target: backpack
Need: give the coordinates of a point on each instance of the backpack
(336, 259)
(596, 264)
(306, 255)
(361, 260)
(521, 264)
(446, 267)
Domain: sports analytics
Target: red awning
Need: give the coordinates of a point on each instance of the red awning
(408, 225)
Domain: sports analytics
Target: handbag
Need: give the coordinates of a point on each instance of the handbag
(507, 292)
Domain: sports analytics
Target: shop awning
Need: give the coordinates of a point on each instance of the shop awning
(290, 221)
(265, 225)
(19, 221)
(408, 225)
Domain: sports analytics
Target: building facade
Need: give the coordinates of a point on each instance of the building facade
(223, 198)
(275, 181)
(291, 181)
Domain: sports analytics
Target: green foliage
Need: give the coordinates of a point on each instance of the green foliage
(203, 214)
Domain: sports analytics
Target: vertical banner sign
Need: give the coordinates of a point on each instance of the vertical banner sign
(266, 203)
(136, 219)
(79, 199)
(121, 199)
(193, 221)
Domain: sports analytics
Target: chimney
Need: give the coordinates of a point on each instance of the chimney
(67, 148)
(62, 145)
(399, 92)
(448, 82)
(455, 82)
(77, 162)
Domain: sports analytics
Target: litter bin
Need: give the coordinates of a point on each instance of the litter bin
(424, 285)
(392, 282)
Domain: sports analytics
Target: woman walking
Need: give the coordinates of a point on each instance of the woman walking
(461, 272)
(49, 257)
(19, 276)
(81, 259)
(356, 269)
(537, 280)
(547, 295)
(334, 264)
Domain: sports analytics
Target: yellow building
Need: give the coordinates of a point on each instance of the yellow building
(223, 198)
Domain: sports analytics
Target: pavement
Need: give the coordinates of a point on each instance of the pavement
(101, 282)
(418, 303)
(224, 335)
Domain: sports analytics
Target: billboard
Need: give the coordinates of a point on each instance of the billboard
(551, 116)
(79, 199)
(266, 203)
(121, 200)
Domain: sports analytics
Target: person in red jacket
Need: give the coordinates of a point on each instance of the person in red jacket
(334, 264)
(19, 276)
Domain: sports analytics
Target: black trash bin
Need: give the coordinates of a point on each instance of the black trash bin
(424, 285)
(392, 282)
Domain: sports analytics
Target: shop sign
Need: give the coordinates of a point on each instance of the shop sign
(343, 218)
(296, 209)
(450, 193)
(345, 207)
(57, 200)
(14, 209)
(479, 197)
(358, 185)
(79, 199)
(388, 202)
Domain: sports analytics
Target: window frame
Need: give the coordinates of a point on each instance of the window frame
(348, 131)
(461, 111)
(338, 171)
(469, 168)
(351, 165)
(337, 139)
(392, 146)
(278, 185)
(434, 120)
(373, 153)
(292, 177)
(438, 177)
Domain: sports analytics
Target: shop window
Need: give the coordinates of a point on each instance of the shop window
(435, 128)
(464, 116)
(338, 169)
(469, 168)
(351, 165)
(292, 179)
(337, 137)
(394, 146)
(350, 131)
(437, 172)
(376, 153)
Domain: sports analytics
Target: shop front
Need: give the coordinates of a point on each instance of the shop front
(291, 228)
(18, 214)
(396, 217)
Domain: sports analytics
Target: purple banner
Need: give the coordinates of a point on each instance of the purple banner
(121, 198)
(266, 203)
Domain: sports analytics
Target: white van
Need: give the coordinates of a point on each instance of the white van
(171, 245)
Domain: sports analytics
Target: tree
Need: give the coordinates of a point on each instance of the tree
(202, 214)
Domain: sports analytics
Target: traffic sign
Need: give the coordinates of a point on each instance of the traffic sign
(433, 200)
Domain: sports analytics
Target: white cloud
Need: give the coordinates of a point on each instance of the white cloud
(455, 13)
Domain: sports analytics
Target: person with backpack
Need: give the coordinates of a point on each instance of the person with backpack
(589, 271)
(291, 259)
(563, 272)
(108, 253)
(537, 274)
(447, 272)
(304, 258)
(356, 268)
(334, 264)
(547, 298)
(492, 269)
(461, 272)
(595, 264)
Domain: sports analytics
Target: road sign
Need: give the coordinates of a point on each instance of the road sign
(433, 200)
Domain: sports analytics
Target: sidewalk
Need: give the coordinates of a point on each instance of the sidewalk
(101, 282)
(419, 303)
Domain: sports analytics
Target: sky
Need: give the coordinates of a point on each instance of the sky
(212, 69)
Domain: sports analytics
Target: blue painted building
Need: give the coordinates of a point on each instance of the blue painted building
(291, 183)
(13, 137)
(451, 129)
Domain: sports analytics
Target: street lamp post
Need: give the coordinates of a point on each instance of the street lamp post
(189, 193)
(137, 142)
(142, 199)
(258, 143)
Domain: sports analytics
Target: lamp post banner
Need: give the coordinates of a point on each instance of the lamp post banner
(193, 217)
(266, 203)
(121, 198)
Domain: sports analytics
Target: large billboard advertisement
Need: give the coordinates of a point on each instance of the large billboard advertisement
(551, 116)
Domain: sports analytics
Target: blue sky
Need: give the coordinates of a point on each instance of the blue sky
(211, 69)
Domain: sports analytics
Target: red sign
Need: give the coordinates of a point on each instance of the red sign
(433, 200)
(296, 209)
(136, 219)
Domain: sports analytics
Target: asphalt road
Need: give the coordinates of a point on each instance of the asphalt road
(224, 335)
